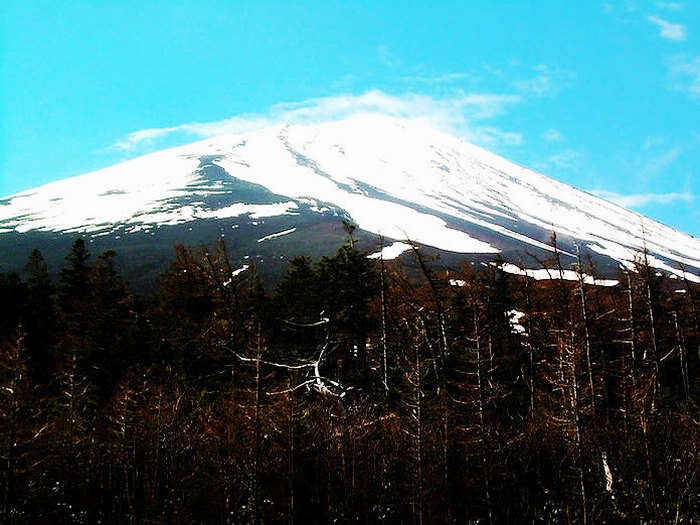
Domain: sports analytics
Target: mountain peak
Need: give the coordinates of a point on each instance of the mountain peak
(395, 178)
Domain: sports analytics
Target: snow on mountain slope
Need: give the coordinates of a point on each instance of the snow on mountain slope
(394, 178)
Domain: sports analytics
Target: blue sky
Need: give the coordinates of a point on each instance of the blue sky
(604, 95)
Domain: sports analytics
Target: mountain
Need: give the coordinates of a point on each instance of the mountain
(281, 191)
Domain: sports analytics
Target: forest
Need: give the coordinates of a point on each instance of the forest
(354, 390)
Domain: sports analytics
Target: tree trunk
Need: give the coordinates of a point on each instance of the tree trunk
(382, 274)
(579, 436)
(683, 357)
(482, 426)
(418, 404)
(255, 477)
(586, 333)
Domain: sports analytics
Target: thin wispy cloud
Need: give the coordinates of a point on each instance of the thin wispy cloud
(436, 79)
(546, 80)
(553, 135)
(538, 85)
(655, 167)
(669, 30)
(492, 135)
(665, 159)
(686, 75)
(237, 124)
(461, 114)
(670, 6)
(625, 12)
(569, 159)
(640, 200)
(387, 58)
(630, 13)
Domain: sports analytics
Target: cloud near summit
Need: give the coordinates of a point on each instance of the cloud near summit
(461, 114)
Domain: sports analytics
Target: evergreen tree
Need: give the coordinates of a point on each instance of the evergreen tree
(75, 280)
(13, 293)
(40, 318)
(298, 329)
(348, 283)
(108, 329)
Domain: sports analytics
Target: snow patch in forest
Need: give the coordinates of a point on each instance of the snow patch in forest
(278, 234)
(390, 252)
(240, 270)
(514, 317)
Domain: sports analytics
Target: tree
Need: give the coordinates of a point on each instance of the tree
(39, 318)
(298, 304)
(75, 280)
(21, 430)
(349, 281)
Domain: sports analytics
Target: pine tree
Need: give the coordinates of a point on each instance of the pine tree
(349, 281)
(40, 318)
(75, 279)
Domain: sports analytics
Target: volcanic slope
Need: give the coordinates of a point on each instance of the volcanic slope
(281, 191)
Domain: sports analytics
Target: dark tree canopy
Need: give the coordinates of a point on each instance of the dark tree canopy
(352, 391)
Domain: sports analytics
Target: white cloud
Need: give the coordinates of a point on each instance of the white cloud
(620, 7)
(666, 159)
(553, 135)
(386, 57)
(568, 159)
(460, 114)
(547, 80)
(656, 166)
(491, 135)
(538, 85)
(687, 74)
(238, 124)
(671, 6)
(143, 136)
(437, 79)
(669, 30)
(642, 199)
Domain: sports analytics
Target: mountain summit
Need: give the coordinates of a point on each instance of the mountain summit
(277, 191)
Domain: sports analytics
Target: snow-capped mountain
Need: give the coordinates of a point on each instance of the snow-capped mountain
(283, 188)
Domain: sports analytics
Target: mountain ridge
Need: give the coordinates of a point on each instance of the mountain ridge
(395, 179)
